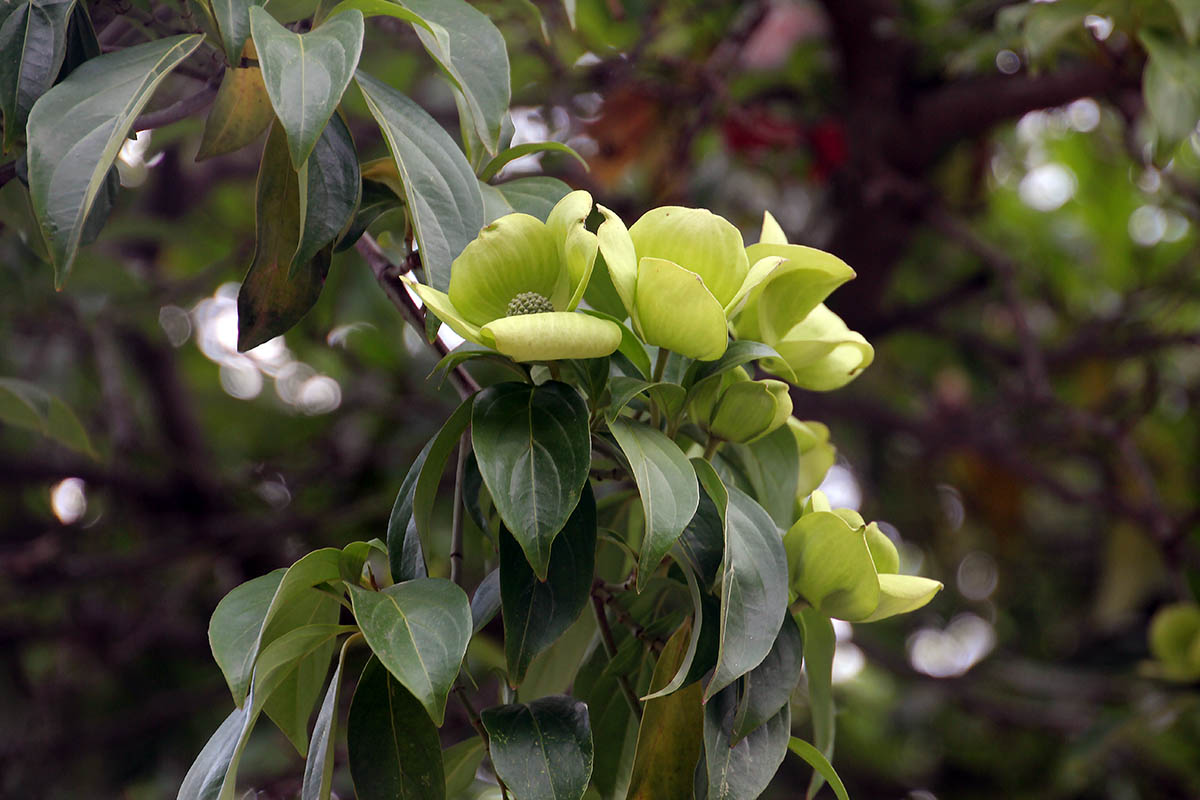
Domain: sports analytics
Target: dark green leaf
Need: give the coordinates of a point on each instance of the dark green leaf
(27, 406)
(233, 23)
(405, 555)
(82, 42)
(440, 189)
(534, 449)
(306, 74)
(741, 771)
(536, 613)
(702, 545)
(485, 603)
(767, 687)
(513, 153)
(737, 354)
(440, 448)
(291, 670)
(33, 44)
(394, 749)
(318, 767)
(704, 636)
(541, 750)
(772, 465)
(754, 590)
(206, 777)
(819, 644)
(669, 397)
(76, 130)
(667, 485)
(270, 302)
(236, 627)
(419, 630)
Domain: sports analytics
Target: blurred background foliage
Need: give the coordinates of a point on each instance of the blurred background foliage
(1017, 185)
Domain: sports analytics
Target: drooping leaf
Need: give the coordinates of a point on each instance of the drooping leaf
(772, 465)
(405, 554)
(668, 396)
(767, 687)
(704, 636)
(270, 302)
(318, 767)
(27, 406)
(394, 749)
(741, 771)
(671, 731)
(485, 603)
(207, 775)
(513, 153)
(702, 544)
(667, 485)
(33, 44)
(306, 73)
(430, 475)
(737, 354)
(233, 23)
(82, 42)
(76, 130)
(239, 115)
(419, 630)
(819, 645)
(329, 191)
(754, 590)
(536, 613)
(533, 447)
(541, 750)
(819, 763)
(440, 189)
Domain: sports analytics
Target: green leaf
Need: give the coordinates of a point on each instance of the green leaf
(233, 23)
(704, 634)
(535, 195)
(394, 749)
(207, 775)
(239, 115)
(738, 353)
(306, 73)
(27, 406)
(541, 750)
(291, 670)
(741, 771)
(330, 188)
(669, 397)
(428, 479)
(270, 302)
(461, 763)
(440, 189)
(821, 764)
(33, 44)
(485, 603)
(753, 590)
(768, 687)
(511, 154)
(772, 465)
(318, 767)
(537, 612)
(76, 130)
(236, 627)
(1189, 17)
(419, 630)
(1171, 86)
(406, 558)
(667, 485)
(466, 44)
(671, 731)
(819, 644)
(631, 346)
(533, 447)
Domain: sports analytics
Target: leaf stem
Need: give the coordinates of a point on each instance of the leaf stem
(660, 364)
(456, 525)
(610, 647)
(712, 446)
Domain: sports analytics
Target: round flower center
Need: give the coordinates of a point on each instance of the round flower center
(529, 303)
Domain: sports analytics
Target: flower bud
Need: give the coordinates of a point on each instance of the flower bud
(734, 408)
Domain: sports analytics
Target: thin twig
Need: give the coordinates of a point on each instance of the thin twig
(456, 525)
(610, 647)
(180, 109)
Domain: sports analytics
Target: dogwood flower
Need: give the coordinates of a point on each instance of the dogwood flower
(847, 569)
(734, 408)
(516, 286)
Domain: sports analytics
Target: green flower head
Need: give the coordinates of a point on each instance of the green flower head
(516, 286)
(732, 407)
(786, 311)
(848, 569)
(817, 455)
(680, 272)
